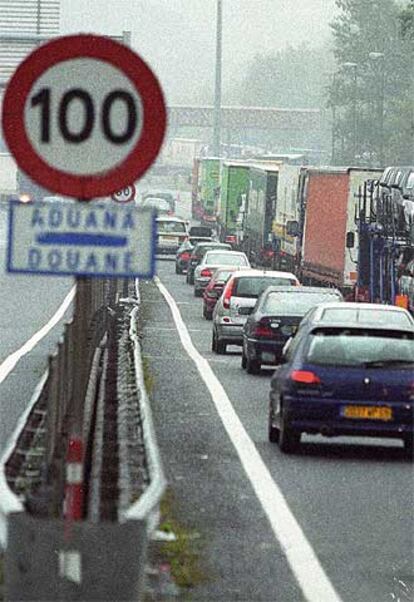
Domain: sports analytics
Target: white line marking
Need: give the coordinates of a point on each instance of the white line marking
(302, 559)
(10, 362)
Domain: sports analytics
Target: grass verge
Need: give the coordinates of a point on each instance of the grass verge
(184, 554)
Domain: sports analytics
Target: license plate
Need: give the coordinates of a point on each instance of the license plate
(367, 412)
(268, 357)
(169, 240)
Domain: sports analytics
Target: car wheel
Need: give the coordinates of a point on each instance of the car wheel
(207, 314)
(289, 439)
(178, 270)
(243, 360)
(409, 445)
(214, 342)
(252, 366)
(273, 431)
(220, 347)
(197, 292)
(190, 279)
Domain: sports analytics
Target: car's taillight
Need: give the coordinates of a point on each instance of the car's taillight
(263, 329)
(228, 292)
(305, 377)
(186, 256)
(206, 273)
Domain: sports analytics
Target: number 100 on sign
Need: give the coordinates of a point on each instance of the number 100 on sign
(100, 120)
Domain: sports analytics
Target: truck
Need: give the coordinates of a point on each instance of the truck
(259, 211)
(286, 247)
(328, 229)
(209, 178)
(196, 206)
(233, 194)
(385, 222)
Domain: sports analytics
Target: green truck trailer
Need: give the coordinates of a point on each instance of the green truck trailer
(260, 210)
(209, 174)
(233, 195)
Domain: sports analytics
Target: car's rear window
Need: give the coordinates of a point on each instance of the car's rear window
(253, 286)
(176, 227)
(200, 231)
(225, 259)
(160, 204)
(355, 347)
(200, 250)
(296, 303)
(223, 276)
(373, 316)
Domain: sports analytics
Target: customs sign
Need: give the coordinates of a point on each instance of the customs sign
(71, 238)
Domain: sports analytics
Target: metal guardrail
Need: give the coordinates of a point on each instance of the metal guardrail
(148, 504)
(32, 528)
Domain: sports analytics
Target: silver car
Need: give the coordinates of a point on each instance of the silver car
(237, 301)
(213, 260)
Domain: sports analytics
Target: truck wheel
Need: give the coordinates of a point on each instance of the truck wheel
(252, 366)
(289, 439)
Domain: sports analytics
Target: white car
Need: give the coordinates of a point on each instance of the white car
(213, 260)
(171, 233)
(239, 297)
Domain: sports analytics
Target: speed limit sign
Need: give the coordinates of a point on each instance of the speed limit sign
(84, 116)
(125, 195)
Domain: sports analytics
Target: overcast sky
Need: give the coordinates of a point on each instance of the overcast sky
(177, 37)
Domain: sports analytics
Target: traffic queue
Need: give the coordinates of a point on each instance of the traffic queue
(340, 367)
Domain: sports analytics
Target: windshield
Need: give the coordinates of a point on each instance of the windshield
(354, 348)
(373, 316)
(225, 259)
(253, 286)
(296, 303)
(171, 227)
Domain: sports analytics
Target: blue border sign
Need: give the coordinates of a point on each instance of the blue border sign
(72, 238)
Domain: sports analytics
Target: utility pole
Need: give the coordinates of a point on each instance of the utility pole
(380, 58)
(217, 89)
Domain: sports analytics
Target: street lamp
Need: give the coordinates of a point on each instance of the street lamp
(217, 90)
(353, 66)
(379, 56)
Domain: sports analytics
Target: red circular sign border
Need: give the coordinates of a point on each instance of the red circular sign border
(119, 56)
(131, 198)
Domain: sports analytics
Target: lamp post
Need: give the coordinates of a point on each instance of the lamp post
(217, 89)
(379, 56)
(333, 130)
(353, 66)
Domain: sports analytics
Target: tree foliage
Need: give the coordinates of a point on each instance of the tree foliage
(372, 82)
(289, 78)
(407, 21)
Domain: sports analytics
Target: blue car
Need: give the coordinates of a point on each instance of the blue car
(349, 378)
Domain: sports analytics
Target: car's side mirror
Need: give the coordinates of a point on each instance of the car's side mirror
(292, 228)
(350, 240)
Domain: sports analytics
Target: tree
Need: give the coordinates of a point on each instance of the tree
(407, 21)
(372, 88)
(289, 78)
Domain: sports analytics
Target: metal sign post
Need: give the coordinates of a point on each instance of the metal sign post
(84, 116)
